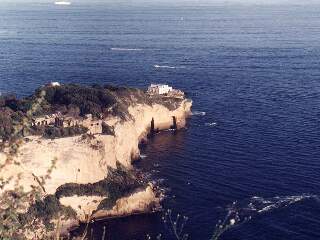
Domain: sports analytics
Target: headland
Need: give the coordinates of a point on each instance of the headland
(68, 150)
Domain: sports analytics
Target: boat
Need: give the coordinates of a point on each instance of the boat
(62, 3)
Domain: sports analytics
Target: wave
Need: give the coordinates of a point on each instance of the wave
(210, 124)
(169, 130)
(198, 113)
(241, 212)
(166, 66)
(62, 3)
(143, 156)
(126, 49)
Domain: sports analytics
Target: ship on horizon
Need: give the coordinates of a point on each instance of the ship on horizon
(62, 3)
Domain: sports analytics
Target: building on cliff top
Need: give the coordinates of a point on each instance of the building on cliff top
(59, 120)
(47, 119)
(55, 84)
(163, 89)
(159, 89)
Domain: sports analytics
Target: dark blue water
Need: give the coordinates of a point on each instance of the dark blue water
(254, 70)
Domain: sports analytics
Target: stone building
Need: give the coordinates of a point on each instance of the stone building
(47, 120)
(58, 120)
(94, 125)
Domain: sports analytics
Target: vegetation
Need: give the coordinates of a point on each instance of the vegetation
(28, 212)
(22, 211)
(169, 102)
(107, 130)
(17, 219)
(73, 100)
(12, 116)
(45, 210)
(80, 99)
(60, 132)
(119, 183)
(175, 225)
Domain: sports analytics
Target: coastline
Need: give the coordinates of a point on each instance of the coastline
(83, 162)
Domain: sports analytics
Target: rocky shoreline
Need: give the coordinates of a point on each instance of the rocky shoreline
(76, 145)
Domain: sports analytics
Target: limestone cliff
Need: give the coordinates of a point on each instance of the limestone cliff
(86, 161)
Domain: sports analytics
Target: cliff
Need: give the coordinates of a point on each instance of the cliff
(79, 154)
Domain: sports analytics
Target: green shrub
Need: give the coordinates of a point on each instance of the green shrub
(88, 99)
(60, 132)
(107, 130)
(119, 183)
(46, 210)
(74, 100)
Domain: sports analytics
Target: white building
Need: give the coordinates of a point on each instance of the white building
(159, 89)
(55, 84)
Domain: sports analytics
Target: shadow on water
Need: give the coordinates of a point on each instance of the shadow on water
(163, 160)
(167, 225)
(148, 225)
(132, 227)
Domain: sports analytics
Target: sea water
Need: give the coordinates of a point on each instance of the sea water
(247, 165)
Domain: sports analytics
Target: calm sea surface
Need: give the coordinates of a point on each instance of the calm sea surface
(251, 148)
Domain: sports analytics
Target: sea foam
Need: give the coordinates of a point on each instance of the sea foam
(143, 156)
(211, 124)
(241, 212)
(126, 49)
(167, 66)
(198, 113)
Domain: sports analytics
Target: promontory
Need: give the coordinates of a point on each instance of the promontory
(66, 153)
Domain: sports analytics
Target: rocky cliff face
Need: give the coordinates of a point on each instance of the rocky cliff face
(86, 161)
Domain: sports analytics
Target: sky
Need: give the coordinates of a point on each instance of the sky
(207, 2)
(168, 3)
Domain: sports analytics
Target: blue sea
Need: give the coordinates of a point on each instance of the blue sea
(248, 164)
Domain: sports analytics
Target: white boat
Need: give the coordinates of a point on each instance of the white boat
(62, 3)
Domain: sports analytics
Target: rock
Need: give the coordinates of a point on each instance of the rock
(87, 160)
